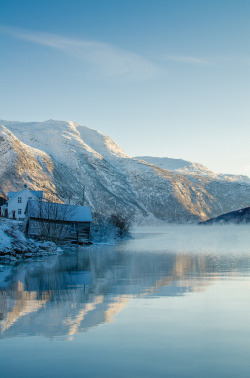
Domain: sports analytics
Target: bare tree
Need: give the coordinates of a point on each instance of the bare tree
(122, 223)
(50, 220)
(115, 226)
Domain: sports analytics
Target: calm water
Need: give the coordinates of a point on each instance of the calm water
(172, 302)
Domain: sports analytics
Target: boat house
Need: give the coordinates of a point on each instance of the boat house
(57, 221)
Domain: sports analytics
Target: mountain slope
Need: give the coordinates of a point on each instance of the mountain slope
(239, 217)
(186, 167)
(62, 157)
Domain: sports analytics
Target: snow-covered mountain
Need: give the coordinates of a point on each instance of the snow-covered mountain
(61, 158)
(186, 167)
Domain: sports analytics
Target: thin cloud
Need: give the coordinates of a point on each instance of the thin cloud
(109, 60)
(186, 59)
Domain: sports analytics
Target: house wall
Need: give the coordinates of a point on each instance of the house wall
(14, 205)
(61, 230)
(42, 227)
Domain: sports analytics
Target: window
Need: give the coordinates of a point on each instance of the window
(19, 211)
(74, 227)
(19, 199)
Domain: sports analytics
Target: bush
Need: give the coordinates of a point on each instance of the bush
(115, 226)
(122, 223)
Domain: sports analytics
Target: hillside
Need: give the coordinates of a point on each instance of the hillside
(61, 158)
(239, 217)
(186, 167)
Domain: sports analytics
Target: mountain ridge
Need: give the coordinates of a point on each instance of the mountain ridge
(187, 167)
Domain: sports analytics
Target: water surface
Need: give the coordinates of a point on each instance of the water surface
(173, 301)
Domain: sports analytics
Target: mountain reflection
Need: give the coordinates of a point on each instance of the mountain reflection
(83, 288)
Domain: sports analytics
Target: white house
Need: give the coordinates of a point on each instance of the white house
(18, 201)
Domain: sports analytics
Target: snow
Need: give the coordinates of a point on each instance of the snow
(101, 143)
(5, 240)
(61, 211)
(186, 167)
(14, 245)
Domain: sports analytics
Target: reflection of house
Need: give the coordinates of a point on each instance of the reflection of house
(57, 220)
(18, 201)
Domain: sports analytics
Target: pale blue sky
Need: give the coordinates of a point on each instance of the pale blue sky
(162, 78)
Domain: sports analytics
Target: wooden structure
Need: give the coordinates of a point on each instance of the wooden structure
(56, 221)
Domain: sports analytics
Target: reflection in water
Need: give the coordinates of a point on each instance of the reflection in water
(25, 302)
(83, 288)
(75, 323)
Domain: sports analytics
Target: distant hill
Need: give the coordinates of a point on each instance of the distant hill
(238, 216)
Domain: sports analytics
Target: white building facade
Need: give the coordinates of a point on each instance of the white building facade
(18, 201)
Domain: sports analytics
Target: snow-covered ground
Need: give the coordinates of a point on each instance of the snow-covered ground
(15, 246)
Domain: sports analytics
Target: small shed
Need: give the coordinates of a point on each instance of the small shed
(57, 221)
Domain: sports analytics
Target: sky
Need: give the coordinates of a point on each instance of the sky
(160, 77)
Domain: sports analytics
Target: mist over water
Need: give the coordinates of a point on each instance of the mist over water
(172, 301)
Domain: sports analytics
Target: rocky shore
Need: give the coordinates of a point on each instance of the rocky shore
(15, 246)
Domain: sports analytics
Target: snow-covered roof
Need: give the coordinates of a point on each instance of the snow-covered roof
(58, 211)
(37, 193)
